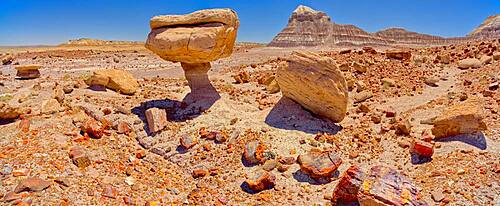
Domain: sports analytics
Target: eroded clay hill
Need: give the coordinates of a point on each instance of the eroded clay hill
(307, 27)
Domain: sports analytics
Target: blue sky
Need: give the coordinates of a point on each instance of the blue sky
(34, 22)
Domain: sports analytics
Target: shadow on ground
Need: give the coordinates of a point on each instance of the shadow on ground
(289, 115)
(477, 140)
(303, 177)
(192, 106)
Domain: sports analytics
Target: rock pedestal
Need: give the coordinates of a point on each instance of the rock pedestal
(196, 75)
(195, 40)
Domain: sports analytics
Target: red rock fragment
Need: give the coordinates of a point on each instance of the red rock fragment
(157, 119)
(319, 164)
(129, 201)
(254, 152)
(123, 128)
(33, 184)
(348, 186)
(24, 125)
(187, 141)
(386, 186)
(78, 157)
(424, 149)
(11, 196)
(261, 181)
(140, 154)
(109, 191)
(93, 128)
(197, 173)
(403, 127)
(242, 77)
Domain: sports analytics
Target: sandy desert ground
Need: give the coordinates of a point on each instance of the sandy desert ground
(127, 165)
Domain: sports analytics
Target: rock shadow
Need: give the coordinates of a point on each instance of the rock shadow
(417, 159)
(289, 115)
(303, 177)
(192, 106)
(477, 140)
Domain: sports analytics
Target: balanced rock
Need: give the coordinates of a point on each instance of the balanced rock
(469, 63)
(319, 164)
(385, 186)
(463, 118)
(195, 40)
(200, 37)
(116, 79)
(28, 71)
(316, 83)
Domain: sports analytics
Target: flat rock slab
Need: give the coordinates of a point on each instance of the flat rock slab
(463, 118)
(33, 184)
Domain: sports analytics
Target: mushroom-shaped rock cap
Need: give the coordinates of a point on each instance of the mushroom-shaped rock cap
(199, 37)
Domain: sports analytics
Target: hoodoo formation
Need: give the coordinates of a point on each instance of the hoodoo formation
(195, 40)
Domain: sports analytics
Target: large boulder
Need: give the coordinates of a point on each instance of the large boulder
(463, 118)
(316, 83)
(115, 79)
(200, 37)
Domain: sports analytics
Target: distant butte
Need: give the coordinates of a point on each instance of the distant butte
(308, 27)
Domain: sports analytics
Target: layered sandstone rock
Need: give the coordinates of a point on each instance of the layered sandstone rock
(195, 40)
(463, 118)
(307, 27)
(490, 28)
(316, 83)
(401, 36)
(199, 37)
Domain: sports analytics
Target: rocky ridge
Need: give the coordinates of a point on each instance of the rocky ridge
(489, 28)
(308, 27)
